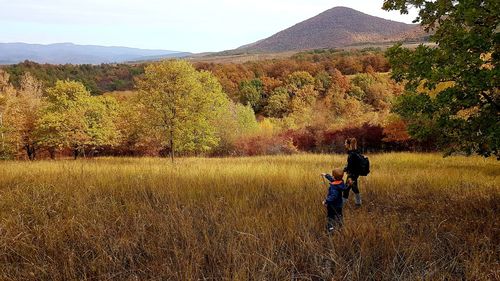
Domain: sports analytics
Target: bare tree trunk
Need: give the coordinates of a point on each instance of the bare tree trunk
(172, 153)
(92, 152)
(27, 148)
(52, 153)
(30, 150)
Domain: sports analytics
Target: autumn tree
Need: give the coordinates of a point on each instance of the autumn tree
(252, 94)
(298, 80)
(134, 136)
(233, 124)
(269, 84)
(348, 65)
(372, 89)
(24, 113)
(278, 104)
(375, 62)
(323, 82)
(467, 53)
(396, 133)
(181, 104)
(74, 119)
(100, 117)
(229, 75)
(62, 124)
(7, 93)
(303, 95)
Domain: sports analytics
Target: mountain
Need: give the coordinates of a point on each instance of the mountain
(336, 28)
(62, 53)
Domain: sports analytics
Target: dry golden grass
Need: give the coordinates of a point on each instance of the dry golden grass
(424, 218)
(239, 58)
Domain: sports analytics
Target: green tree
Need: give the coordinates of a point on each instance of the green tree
(298, 80)
(467, 36)
(62, 124)
(100, 116)
(52, 131)
(419, 110)
(323, 82)
(251, 93)
(278, 104)
(233, 124)
(181, 104)
(134, 137)
(72, 118)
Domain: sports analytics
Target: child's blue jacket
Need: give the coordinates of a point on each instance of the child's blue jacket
(334, 196)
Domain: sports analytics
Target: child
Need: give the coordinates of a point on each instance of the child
(333, 201)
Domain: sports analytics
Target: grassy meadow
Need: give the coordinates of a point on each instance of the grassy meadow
(424, 218)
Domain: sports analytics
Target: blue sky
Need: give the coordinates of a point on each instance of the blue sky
(187, 25)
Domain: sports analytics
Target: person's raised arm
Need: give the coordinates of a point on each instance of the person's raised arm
(328, 177)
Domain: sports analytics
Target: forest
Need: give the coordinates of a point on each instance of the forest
(308, 102)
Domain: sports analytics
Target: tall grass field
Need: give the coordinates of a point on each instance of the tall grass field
(424, 217)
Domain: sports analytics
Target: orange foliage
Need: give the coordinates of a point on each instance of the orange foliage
(396, 131)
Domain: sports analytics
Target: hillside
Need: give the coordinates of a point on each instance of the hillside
(334, 28)
(63, 53)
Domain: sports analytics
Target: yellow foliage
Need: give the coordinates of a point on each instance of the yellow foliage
(438, 89)
(468, 112)
(266, 127)
(487, 61)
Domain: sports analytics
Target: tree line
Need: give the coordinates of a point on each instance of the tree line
(176, 108)
(99, 79)
(180, 108)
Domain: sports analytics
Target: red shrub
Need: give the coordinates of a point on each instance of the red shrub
(263, 145)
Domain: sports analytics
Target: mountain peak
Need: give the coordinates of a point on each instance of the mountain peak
(334, 28)
(341, 9)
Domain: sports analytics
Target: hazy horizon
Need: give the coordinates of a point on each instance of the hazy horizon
(191, 26)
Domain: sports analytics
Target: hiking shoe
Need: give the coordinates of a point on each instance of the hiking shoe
(357, 199)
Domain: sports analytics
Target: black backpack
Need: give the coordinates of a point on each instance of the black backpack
(363, 165)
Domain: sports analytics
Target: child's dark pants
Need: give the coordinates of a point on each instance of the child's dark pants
(335, 218)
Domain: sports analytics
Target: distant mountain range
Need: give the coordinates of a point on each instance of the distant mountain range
(336, 28)
(339, 27)
(63, 53)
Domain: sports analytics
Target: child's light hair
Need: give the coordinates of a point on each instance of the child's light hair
(338, 174)
(351, 144)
